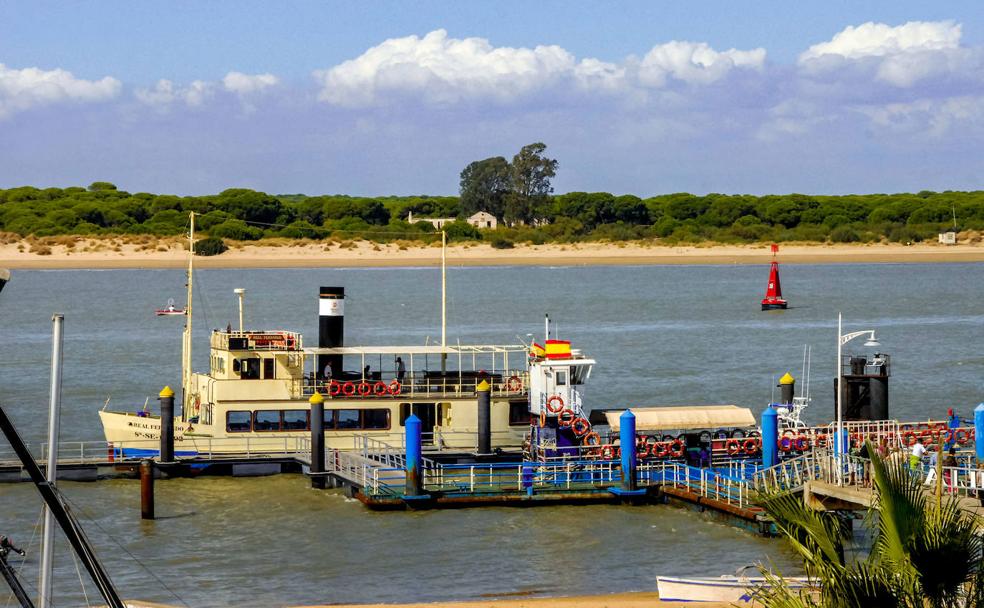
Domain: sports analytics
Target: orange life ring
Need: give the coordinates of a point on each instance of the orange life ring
(555, 399)
(566, 418)
(514, 384)
(677, 448)
(395, 388)
(364, 388)
(580, 427)
(785, 444)
(643, 449)
(592, 438)
(751, 446)
(379, 388)
(733, 446)
(608, 452)
(801, 444)
(661, 449)
(961, 436)
(908, 438)
(543, 418)
(348, 389)
(334, 387)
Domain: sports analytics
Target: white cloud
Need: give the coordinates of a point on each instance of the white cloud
(879, 39)
(442, 70)
(22, 89)
(244, 84)
(900, 56)
(695, 63)
(593, 74)
(165, 93)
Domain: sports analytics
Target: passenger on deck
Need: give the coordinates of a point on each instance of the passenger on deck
(401, 370)
(365, 373)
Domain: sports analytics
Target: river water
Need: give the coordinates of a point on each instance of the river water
(662, 335)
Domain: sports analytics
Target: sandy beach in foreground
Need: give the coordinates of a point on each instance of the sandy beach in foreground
(169, 254)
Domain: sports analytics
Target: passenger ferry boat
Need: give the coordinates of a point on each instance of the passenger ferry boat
(254, 398)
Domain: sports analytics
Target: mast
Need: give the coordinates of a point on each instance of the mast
(444, 299)
(186, 344)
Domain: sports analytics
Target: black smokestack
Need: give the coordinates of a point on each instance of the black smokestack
(331, 327)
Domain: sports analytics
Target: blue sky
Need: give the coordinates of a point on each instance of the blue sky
(397, 97)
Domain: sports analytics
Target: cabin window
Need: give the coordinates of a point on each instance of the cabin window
(519, 413)
(268, 368)
(561, 377)
(249, 369)
(579, 373)
(295, 420)
(238, 422)
(266, 420)
(347, 419)
(375, 419)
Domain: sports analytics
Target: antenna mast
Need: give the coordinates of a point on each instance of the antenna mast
(186, 345)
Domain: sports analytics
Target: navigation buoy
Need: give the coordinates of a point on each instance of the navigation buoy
(773, 293)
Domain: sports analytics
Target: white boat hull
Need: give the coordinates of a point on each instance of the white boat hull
(723, 589)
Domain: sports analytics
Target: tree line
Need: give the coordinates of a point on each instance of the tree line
(518, 193)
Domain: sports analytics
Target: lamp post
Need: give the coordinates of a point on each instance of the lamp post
(843, 339)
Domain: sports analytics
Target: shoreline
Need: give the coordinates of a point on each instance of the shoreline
(100, 254)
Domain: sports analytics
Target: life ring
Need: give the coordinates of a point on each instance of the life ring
(290, 342)
(733, 446)
(961, 436)
(908, 438)
(566, 418)
(364, 389)
(785, 444)
(751, 446)
(661, 449)
(379, 389)
(642, 449)
(580, 427)
(348, 389)
(514, 384)
(789, 433)
(334, 387)
(555, 404)
(820, 441)
(592, 438)
(395, 388)
(677, 448)
(608, 452)
(926, 436)
(543, 418)
(801, 444)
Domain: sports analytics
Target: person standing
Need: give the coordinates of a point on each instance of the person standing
(915, 457)
(401, 370)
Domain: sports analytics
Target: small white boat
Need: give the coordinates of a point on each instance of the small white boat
(726, 588)
(170, 309)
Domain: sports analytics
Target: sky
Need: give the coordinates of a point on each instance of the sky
(396, 98)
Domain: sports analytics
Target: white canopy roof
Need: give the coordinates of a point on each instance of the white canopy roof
(685, 417)
(436, 349)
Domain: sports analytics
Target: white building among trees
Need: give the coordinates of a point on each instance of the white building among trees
(481, 220)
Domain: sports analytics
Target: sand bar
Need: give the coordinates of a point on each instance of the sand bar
(362, 254)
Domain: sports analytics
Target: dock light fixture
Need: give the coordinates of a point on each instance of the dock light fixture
(239, 291)
(843, 339)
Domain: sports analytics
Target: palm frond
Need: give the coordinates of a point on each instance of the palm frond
(817, 536)
(901, 505)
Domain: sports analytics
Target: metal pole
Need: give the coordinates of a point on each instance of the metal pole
(444, 300)
(166, 397)
(838, 444)
(147, 489)
(484, 391)
(239, 292)
(414, 480)
(627, 440)
(317, 468)
(51, 470)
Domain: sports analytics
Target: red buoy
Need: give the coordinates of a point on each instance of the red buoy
(773, 293)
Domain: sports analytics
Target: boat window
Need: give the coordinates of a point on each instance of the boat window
(375, 419)
(238, 422)
(579, 373)
(329, 419)
(519, 413)
(268, 368)
(295, 420)
(347, 419)
(561, 379)
(249, 369)
(266, 420)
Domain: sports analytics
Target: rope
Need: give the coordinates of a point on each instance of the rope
(106, 533)
(75, 560)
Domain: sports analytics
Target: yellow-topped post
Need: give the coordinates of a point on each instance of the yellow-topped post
(787, 388)
(484, 391)
(317, 468)
(166, 397)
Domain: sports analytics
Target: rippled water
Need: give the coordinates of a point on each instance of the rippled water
(661, 335)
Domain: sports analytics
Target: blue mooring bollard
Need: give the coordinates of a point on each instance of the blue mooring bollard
(627, 439)
(770, 437)
(979, 433)
(414, 485)
(842, 444)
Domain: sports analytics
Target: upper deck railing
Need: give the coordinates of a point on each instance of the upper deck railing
(257, 340)
(419, 385)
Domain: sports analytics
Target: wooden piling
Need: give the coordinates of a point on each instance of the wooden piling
(147, 489)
